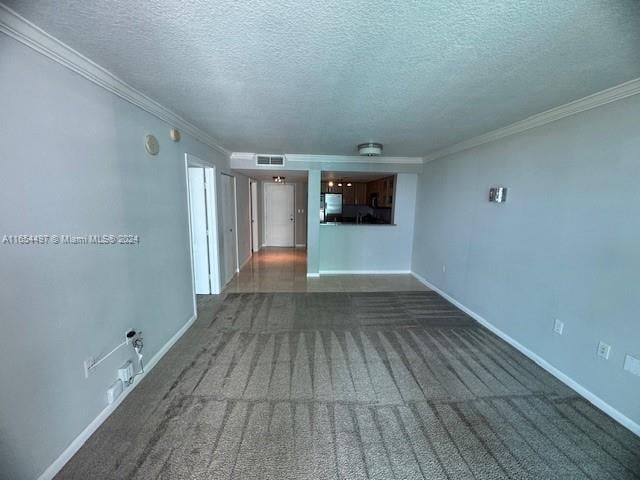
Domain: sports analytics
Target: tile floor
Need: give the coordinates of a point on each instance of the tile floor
(285, 270)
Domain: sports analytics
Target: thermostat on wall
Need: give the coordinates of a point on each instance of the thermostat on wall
(498, 194)
(174, 134)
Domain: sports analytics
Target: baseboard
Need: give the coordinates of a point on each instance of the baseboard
(564, 378)
(301, 245)
(75, 445)
(243, 264)
(365, 272)
(313, 275)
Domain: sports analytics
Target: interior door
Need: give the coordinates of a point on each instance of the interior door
(229, 226)
(279, 215)
(255, 243)
(199, 238)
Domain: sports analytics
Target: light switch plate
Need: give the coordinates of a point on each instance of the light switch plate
(558, 327)
(632, 365)
(604, 350)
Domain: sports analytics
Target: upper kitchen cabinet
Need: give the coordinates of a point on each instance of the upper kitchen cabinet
(382, 191)
(348, 194)
(360, 194)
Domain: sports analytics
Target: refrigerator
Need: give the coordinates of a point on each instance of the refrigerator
(330, 206)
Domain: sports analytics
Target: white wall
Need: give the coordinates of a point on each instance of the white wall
(370, 248)
(301, 214)
(73, 162)
(565, 245)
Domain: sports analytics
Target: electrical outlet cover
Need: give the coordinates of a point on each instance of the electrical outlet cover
(632, 365)
(604, 350)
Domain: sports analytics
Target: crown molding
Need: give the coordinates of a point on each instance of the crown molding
(353, 159)
(19, 28)
(307, 158)
(595, 100)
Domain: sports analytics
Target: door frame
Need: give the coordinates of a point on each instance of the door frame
(254, 214)
(267, 186)
(212, 221)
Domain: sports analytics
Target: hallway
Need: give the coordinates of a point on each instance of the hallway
(275, 269)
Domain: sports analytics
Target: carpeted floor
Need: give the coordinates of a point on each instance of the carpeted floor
(351, 386)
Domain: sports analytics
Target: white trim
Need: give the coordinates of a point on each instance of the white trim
(19, 28)
(564, 378)
(300, 245)
(595, 100)
(296, 157)
(75, 445)
(352, 159)
(313, 275)
(365, 272)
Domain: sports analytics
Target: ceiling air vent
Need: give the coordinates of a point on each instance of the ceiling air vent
(270, 160)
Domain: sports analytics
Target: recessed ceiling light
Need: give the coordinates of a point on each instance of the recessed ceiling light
(349, 184)
(331, 183)
(340, 184)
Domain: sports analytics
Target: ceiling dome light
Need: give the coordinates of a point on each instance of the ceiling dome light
(370, 149)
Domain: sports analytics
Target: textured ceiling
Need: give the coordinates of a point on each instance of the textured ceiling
(321, 76)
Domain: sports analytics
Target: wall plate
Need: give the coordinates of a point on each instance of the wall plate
(498, 194)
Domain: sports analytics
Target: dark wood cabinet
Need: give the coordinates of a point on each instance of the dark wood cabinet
(384, 190)
(348, 195)
(360, 194)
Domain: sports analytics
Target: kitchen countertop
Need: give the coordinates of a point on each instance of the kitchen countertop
(336, 224)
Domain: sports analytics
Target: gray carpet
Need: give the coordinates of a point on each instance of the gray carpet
(351, 386)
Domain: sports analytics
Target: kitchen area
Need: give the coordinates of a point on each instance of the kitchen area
(357, 198)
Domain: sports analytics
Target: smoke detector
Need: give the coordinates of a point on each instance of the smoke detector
(370, 149)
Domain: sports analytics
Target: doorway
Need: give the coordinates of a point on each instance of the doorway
(255, 234)
(229, 226)
(203, 232)
(279, 215)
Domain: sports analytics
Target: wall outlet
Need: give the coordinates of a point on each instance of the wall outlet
(558, 327)
(604, 350)
(632, 365)
(125, 373)
(88, 366)
(114, 391)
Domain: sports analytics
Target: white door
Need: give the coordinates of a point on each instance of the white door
(279, 215)
(199, 237)
(229, 226)
(255, 240)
